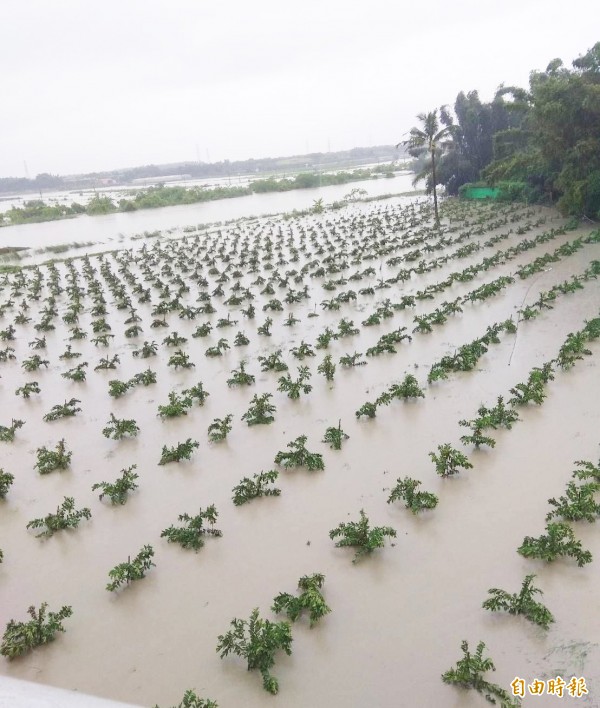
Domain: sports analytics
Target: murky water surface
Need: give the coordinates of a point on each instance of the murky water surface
(398, 616)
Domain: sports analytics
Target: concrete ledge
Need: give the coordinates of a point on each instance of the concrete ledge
(25, 694)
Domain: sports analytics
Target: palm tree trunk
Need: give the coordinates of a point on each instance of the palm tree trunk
(433, 177)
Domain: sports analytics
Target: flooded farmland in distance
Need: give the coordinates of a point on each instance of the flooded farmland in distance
(366, 279)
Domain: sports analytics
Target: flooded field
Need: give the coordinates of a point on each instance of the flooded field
(117, 229)
(386, 295)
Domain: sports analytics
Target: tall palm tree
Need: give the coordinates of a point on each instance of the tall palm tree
(429, 138)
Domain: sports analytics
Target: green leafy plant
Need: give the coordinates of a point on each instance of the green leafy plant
(587, 470)
(468, 673)
(146, 350)
(349, 360)
(50, 460)
(76, 374)
(117, 388)
(367, 409)
(299, 456)
(327, 367)
(221, 346)
(476, 438)
(67, 409)
(144, 378)
(240, 377)
(21, 637)
(219, 428)
(265, 328)
(66, 517)
(406, 491)
(522, 603)
(181, 451)
(133, 331)
(118, 428)
(117, 491)
(102, 340)
(105, 363)
(240, 340)
(202, 330)
(559, 541)
(359, 535)
(302, 350)
(180, 359)
(7, 354)
(500, 416)
(273, 362)
(69, 353)
(177, 406)
(132, 569)
(534, 388)
(257, 640)
(310, 599)
(34, 362)
(577, 504)
(408, 388)
(6, 480)
(174, 340)
(449, 460)
(191, 534)
(192, 700)
(335, 436)
(295, 388)
(196, 393)
(260, 411)
(249, 489)
(7, 433)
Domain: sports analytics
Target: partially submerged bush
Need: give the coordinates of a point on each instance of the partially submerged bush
(406, 491)
(522, 603)
(117, 491)
(310, 599)
(191, 534)
(181, 451)
(257, 640)
(249, 489)
(132, 569)
(299, 456)
(66, 517)
(448, 461)
(359, 535)
(50, 460)
(21, 637)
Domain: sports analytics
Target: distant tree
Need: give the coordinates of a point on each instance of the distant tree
(429, 139)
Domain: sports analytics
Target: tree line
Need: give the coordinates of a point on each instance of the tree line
(540, 144)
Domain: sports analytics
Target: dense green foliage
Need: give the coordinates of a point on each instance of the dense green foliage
(559, 541)
(249, 489)
(192, 700)
(406, 491)
(117, 491)
(21, 637)
(257, 640)
(191, 534)
(536, 144)
(522, 603)
(360, 535)
(309, 599)
(66, 517)
(468, 673)
(132, 569)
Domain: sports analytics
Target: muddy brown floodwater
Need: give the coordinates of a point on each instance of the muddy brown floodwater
(399, 615)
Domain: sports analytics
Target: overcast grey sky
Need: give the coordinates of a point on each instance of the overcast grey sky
(97, 85)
